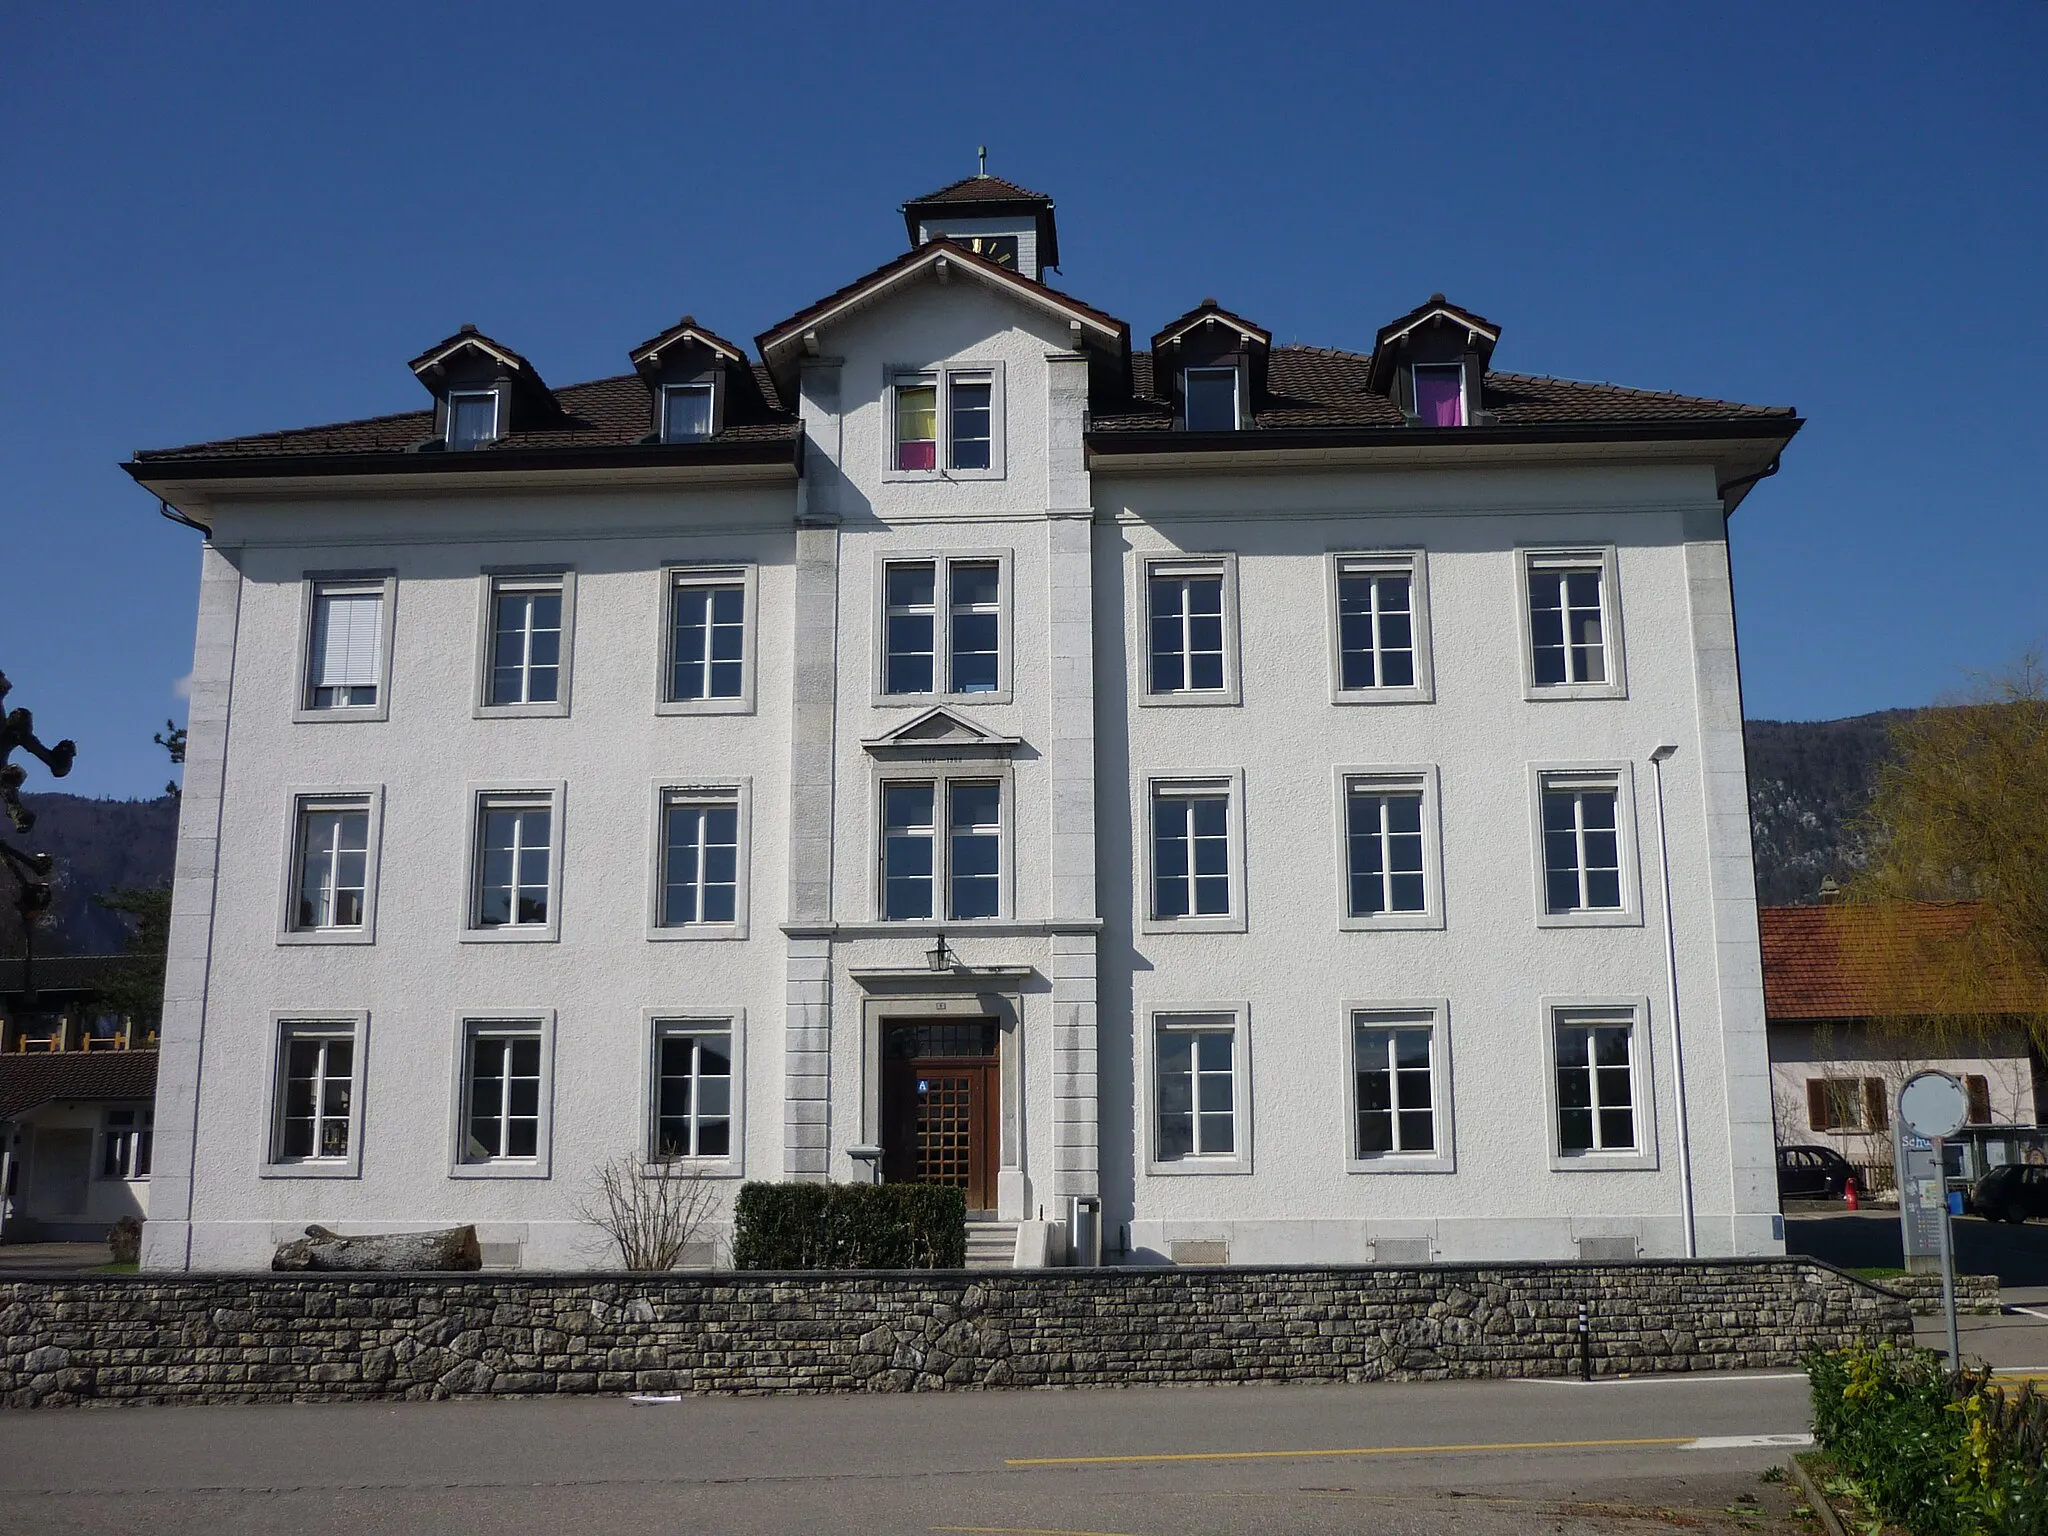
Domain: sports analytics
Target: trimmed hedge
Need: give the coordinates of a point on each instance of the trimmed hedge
(1944, 1453)
(850, 1226)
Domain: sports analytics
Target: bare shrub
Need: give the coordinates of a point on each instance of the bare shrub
(650, 1212)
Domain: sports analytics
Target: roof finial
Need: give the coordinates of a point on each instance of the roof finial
(981, 159)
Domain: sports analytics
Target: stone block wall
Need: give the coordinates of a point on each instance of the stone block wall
(268, 1338)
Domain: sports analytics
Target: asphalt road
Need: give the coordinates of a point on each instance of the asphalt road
(2017, 1255)
(1478, 1458)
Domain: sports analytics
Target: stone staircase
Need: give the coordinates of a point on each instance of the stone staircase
(991, 1244)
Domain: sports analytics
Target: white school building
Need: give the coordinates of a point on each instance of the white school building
(1293, 796)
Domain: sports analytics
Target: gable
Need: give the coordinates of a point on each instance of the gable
(939, 733)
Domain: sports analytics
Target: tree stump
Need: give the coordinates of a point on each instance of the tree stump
(450, 1249)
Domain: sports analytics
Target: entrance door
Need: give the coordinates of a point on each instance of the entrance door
(63, 1169)
(941, 1089)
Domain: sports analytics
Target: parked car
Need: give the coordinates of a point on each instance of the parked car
(2012, 1193)
(1813, 1173)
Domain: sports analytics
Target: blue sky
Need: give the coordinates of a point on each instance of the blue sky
(225, 219)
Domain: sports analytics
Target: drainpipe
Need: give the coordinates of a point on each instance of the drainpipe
(1685, 1211)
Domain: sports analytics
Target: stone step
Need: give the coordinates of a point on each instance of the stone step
(991, 1244)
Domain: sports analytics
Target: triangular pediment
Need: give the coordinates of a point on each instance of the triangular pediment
(939, 732)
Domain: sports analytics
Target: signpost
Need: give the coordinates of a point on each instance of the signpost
(1932, 1107)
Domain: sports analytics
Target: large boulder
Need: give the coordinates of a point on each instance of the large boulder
(451, 1248)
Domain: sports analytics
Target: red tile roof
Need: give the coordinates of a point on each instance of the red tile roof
(1848, 961)
(979, 189)
(26, 1081)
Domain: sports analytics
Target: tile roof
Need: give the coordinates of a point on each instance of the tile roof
(979, 189)
(604, 413)
(1319, 387)
(1845, 961)
(26, 1081)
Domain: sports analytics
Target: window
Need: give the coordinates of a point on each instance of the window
(707, 650)
(1978, 1088)
(331, 882)
(1197, 1098)
(1440, 394)
(967, 403)
(1581, 848)
(1381, 629)
(1574, 643)
(944, 628)
(1383, 830)
(516, 872)
(1391, 1056)
(1852, 1104)
(316, 1095)
(125, 1139)
(693, 1090)
(501, 1092)
(700, 874)
(1211, 399)
(1190, 852)
(472, 419)
(967, 865)
(526, 630)
(1596, 1084)
(686, 413)
(345, 648)
(1191, 625)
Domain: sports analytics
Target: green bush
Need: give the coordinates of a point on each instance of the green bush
(1944, 1453)
(849, 1226)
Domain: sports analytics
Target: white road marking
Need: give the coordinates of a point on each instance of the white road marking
(654, 1399)
(1745, 1442)
(2014, 1306)
(1656, 1381)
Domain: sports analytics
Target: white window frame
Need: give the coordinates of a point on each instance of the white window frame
(1528, 561)
(481, 797)
(1237, 391)
(1205, 1015)
(498, 579)
(497, 399)
(1434, 1014)
(943, 374)
(668, 791)
(533, 1022)
(941, 777)
(1146, 567)
(312, 584)
(1412, 563)
(677, 575)
(942, 561)
(285, 1027)
(1464, 390)
(732, 1022)
(1422, 778)
(300, 799)
(668, 393)
(1620, 777)
(142, 1123)
(1635, 1012)
(1228, 782)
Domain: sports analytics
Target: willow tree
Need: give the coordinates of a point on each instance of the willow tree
(1960, 816)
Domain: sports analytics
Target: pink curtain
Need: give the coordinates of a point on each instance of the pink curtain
(1439, 397)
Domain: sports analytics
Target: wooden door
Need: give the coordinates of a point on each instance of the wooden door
(939, 1125)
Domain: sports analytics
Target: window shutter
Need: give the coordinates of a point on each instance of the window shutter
(345, 637)
(1876, 1105)
(1817, 1103)
(1979, 1089)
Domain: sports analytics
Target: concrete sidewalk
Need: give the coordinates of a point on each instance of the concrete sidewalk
(52, 1258)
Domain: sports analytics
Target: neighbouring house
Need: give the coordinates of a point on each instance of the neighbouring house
(77, 1096)
(1848, 991)
(1232, 780)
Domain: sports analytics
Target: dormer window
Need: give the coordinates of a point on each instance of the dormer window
(1211, 399)
(1440, 394)
(472, 418)
(686, 413)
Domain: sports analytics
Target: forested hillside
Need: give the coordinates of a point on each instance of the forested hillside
(1808, 780)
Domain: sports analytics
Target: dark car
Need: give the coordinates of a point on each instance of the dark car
(2012, 1193)
(1813, 1173)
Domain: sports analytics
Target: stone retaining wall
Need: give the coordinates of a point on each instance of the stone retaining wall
(261, 1338)
(1976, 1294)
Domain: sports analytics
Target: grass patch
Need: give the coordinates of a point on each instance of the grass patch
(1881, 1272)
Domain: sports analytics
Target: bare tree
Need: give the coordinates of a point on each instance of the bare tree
(651, 1213)
(30, 871)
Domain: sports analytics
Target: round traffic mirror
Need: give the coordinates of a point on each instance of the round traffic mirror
(1934, 1105)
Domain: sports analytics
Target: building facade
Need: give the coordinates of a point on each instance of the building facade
(1237, 782)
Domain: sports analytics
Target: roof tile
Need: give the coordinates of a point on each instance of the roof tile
(1857, 962)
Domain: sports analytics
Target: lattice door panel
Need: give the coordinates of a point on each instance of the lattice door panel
(945, 1128)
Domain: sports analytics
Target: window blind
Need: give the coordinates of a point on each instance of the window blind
(346, 628)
